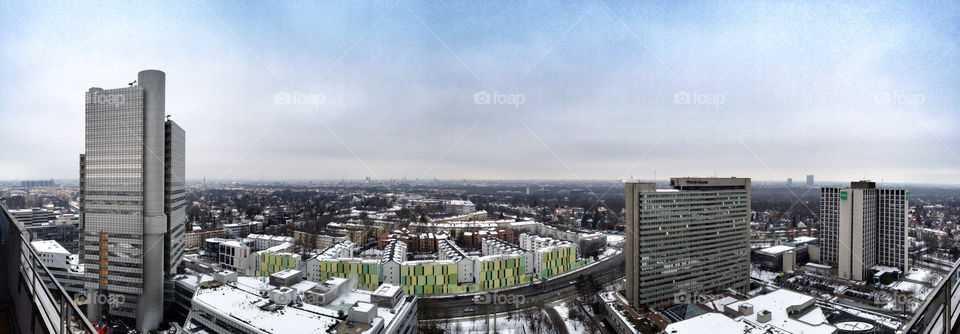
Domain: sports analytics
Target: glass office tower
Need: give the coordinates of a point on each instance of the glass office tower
(123, 196)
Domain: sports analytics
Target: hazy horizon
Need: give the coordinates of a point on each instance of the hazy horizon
(535, 91)
(659, 180)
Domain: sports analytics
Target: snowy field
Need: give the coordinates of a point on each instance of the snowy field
(608, 253)
(573, 326)
(614, 240)
(763, 275)
(536, 323)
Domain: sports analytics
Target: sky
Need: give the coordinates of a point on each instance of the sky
(501, 90)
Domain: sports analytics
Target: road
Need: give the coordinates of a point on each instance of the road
(604, 272)
(557, 321)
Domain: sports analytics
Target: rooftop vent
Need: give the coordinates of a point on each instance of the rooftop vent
(745, 309)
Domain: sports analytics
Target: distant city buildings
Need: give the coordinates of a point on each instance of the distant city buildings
(37, 183)
(33, 216)
(421, 242)
(64, 231)
(458, 207)
(789, 181)
(195, 238)
(810, 180)
(690, 239)
(318, 241)
(862, 227)
(131, 199)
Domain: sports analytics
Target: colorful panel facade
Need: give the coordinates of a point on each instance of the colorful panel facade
(501, 273)
(558, 261)
(273, 263)
(366, 274)
(429, 279)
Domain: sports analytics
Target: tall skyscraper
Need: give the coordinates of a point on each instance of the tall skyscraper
(810, 180)
(691, 239)
(173, 195)
(863, 226)
(131, 197)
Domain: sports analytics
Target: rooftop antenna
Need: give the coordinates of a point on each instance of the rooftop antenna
(131, 84)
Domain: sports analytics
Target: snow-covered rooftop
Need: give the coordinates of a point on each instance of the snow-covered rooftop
(713, 323)
(776, 249)
(363, 307)
(49, 246)
(285, 274)
(387, 290)
(242, 302)
(778, 302)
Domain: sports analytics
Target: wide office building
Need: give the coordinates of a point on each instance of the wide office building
(692, 238)
(862, 227)
(131, 199)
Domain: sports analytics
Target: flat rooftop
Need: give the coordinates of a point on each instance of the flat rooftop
(285, 274)
(49, 246)
(776, 249)
(243, 302)
(777, 302)
(386, 289)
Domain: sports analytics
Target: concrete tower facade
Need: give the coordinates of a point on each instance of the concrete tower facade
(862, 227)
(123, 195)
(691, 239)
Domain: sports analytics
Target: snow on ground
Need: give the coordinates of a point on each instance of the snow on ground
(908, 287)
(608, 253)
(917, 274)
(763, 275)
(614, 239)
(518, 324)
(885, 321)
(920, 290)
(573, 326)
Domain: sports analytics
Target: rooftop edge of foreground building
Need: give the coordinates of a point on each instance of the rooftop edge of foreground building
(27, 304)
(242, 304)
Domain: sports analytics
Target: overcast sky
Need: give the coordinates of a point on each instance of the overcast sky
(588, 90)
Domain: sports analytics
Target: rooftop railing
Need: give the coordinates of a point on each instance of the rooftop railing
(25, 299)
(938, 313)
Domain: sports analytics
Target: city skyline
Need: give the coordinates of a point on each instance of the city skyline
(608, 90)
(410, 166)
